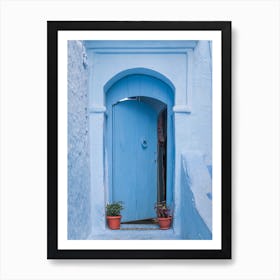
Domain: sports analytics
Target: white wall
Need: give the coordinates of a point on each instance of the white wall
(255, 139)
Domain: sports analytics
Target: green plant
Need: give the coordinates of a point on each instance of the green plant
(114, 208)
(162, 210)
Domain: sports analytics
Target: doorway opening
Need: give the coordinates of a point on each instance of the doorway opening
(139, 157)
(161, 154)
(139, 148)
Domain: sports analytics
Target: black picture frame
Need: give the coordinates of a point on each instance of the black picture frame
(53, 27)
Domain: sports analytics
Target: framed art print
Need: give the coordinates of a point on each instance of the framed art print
(139, 140)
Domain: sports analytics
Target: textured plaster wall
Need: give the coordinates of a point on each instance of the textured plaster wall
(196, 190)
(78, 144)
(199, 122)
(196, 170)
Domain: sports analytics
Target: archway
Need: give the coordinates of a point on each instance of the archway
(140, 162)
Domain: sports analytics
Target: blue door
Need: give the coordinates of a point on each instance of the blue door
(134, 158)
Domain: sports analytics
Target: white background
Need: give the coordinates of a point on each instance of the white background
(255, 140)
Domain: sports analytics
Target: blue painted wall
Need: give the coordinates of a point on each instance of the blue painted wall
(78, 152)
(197, 195)
(195, 134)
(196, 170)
(200, 120)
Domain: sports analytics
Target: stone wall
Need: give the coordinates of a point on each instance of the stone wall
(78, 143)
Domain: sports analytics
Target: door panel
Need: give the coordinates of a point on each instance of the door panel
(134, 166)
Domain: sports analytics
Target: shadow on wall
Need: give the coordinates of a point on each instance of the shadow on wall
(197, 196)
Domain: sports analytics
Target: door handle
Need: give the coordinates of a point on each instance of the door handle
(144, 143)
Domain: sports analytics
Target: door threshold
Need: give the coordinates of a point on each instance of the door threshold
(139, 227)
(151, 221)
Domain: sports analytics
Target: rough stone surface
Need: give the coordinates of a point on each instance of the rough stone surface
(78, 144)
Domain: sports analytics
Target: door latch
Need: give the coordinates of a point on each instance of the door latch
(144, 143)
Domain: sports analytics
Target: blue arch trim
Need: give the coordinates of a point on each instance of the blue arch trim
(139, 71)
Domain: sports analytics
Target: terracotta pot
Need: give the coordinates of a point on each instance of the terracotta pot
(114, 222)
(164, 223)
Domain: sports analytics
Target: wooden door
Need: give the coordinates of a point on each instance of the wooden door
(134, 158)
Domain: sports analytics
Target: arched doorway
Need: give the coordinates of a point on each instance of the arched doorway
(139, 144)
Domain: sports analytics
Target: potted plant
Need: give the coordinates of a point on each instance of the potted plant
(113, 213)
(164, 216)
